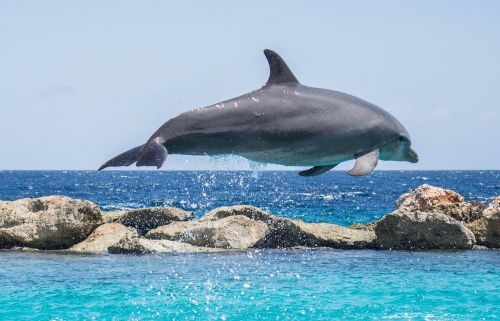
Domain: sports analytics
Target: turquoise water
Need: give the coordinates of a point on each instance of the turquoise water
(265, 285)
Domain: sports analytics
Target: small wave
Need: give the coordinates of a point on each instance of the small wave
(328, 198)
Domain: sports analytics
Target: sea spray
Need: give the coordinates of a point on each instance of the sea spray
(256, 168)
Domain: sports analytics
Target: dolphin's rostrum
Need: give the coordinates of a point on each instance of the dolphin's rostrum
(283, 123)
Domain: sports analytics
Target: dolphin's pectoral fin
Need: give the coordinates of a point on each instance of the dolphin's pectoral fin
(124, 159)
(365, 163)
(278, 70)
(153, 154)
(317, 170)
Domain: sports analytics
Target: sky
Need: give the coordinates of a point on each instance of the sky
(82, 81)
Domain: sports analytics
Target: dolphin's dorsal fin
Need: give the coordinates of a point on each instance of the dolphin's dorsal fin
(279, 71)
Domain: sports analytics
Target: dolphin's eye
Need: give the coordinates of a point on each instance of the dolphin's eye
(403, 138)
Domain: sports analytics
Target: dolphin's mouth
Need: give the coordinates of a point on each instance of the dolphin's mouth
(411, 155)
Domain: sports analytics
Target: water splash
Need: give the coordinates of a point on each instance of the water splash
(256, 168)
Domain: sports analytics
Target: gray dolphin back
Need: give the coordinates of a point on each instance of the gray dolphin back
(283, 122)
(154, 153)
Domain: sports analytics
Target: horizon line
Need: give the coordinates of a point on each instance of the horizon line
(230, 170)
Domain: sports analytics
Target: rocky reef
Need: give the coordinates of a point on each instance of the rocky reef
(427, 218)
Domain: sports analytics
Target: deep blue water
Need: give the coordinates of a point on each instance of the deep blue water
(252, 285)
(333, 197)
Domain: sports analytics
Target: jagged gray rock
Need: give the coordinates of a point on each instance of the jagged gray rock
(331, 235)
(232, 232)
(285, 233)
(428, 218)
(51, 222)
(135, 244)
(103, 237)
(416, 230)
(487, 228)
(113, 216)
(249, 211)
(146, 219)
(364, 227)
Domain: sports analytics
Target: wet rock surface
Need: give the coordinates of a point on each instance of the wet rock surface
(146, 219)
(104, 237)
(417, 230)
(232, 232)
(331, 235)
(249, 211)
(487, 228)
(284, 233)
(427, 218)
(135, 244)
(52, 222)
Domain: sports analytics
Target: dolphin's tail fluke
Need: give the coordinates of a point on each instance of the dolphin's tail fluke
(124, 159)
(152, 153)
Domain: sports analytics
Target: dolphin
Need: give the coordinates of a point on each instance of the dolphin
(283, 122)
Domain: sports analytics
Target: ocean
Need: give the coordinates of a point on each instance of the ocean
(256, 284)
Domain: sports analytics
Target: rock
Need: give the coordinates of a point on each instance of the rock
(138, 245)
(232, 232)
(331, 235)
(364, 227)
(427, 198)
(21, 249)
(478, 228)
(249, 211)
(286, 233)
(146, 219)
(428, 218)
(487, 228)
(422, 230)
(476, 211)
(103, 237)
(52, 222)
(493, 209)
(282, 232)
(112, 217)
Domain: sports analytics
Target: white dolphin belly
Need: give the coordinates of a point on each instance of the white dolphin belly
(290, 158)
